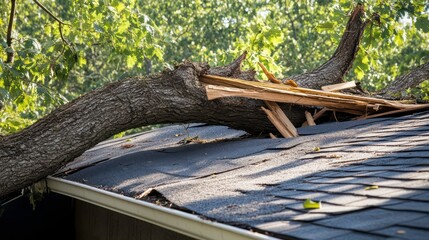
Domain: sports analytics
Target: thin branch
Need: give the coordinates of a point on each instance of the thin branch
(60, 23)
(49, 12)
(61, 34)
(10, 52)
(292, 23)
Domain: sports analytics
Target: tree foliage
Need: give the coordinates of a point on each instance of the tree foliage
(103, 41)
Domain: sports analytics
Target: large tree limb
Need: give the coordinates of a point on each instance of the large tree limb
(171, 97)
(403, 82)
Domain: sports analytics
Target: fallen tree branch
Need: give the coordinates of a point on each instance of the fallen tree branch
(171, 97)
(176, 96)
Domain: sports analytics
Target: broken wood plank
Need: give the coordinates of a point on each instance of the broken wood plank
(348, 106)
(272, 136)
(309, 118)
(277, 123)
(316, 116)
(285, 89)
(417, 108)
(338, 86)
(320, 113)
(275, 108)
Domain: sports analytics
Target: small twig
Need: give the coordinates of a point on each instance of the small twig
(186, 126)
(49, 12)
(59, 55)
(10, 52)
(61, 33)
(335, 116)
(182, 33)
(269, 75)
(60, 22)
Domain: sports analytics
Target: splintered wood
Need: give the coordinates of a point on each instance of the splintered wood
(279, 119)
(362, 107)
(339, 86)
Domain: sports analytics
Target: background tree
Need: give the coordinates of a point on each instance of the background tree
(103, 41)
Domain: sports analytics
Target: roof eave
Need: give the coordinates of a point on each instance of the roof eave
(178, 221)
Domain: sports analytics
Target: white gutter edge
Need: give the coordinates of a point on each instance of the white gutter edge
(175, 220)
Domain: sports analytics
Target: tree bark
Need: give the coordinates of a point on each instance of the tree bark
(10, 52)
(403, 82)
(170, 97)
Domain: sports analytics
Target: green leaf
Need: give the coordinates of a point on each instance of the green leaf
(33, 45)
(98, 28)
(359, 73)
(131, 61)
(309, 204)
(120, 7)
(112, 9)
(326, 25)
(422, 23)
(371, 187)
(274, 35)
(398, 40)
(123, 27)
(158, 52)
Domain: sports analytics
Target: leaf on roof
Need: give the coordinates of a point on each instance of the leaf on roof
(310, 204)
(371, 187)
(316, 149)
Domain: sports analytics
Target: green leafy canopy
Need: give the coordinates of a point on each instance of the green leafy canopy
(103, 41)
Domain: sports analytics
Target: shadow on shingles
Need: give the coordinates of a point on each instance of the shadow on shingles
(369, 195)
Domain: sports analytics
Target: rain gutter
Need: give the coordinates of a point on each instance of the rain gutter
(175, 220)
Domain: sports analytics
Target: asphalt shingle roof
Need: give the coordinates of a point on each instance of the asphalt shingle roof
(262, 183)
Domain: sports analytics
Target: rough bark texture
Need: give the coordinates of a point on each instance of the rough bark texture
(171, 97)
(403, 82)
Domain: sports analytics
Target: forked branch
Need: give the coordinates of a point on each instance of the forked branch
(334, 70)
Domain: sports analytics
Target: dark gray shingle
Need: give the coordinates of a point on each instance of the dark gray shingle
(404, 233)
(369, 220)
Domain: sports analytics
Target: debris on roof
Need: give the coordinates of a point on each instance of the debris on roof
(288, 91)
